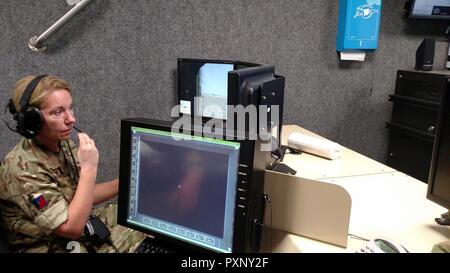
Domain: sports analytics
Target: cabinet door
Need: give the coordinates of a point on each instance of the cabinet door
(409, 154)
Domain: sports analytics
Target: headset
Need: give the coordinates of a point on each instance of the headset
(29, 119)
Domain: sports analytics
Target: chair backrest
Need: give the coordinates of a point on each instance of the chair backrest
(3, 243)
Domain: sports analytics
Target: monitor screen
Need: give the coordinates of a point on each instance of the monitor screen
(212, 90)
(430, 9)
(184, 188)
(203, 86)
(190, 189)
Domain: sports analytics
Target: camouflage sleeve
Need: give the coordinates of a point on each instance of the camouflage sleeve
(442, 247)
(42, 200)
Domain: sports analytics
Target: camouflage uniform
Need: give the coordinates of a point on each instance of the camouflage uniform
(36, 187)
(442, 247)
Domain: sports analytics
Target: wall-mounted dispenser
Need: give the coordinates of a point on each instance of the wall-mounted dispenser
(358, 26)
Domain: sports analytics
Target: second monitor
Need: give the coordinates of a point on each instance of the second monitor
(207, 88)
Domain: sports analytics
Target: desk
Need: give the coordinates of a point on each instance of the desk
(385, 203)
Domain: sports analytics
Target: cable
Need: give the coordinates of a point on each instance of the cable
(77, 129)
(74, 161)
(447, 33)
(447, 37)
(358, 237)
(72, 156)
(110, 243)
(269, 202)
(291, 150)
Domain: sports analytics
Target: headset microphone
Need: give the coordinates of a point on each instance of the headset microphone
(77, 129)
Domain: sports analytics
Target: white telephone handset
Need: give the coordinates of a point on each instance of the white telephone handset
(382, 245)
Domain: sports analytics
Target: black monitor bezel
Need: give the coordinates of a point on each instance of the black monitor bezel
(240, 81)
(237, 64)
(411, 15)
(246, 149)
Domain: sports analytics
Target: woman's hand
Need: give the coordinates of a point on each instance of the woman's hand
(87, 152)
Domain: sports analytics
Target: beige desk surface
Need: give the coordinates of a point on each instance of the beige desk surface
(385, 203)
(314, 167)
(393, 205)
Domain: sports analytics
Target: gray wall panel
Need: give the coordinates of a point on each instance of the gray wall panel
(120, 57)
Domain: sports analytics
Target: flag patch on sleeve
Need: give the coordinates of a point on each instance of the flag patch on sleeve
(39, 200)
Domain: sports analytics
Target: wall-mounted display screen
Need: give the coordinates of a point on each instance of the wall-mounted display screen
(430, 9)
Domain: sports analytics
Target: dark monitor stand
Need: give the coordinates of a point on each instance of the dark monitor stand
(276, 164)
(444, 220)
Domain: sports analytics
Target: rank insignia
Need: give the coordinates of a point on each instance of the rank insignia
(39, 200)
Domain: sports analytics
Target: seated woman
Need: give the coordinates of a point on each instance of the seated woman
(47, 185)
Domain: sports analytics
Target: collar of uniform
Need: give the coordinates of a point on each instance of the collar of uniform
(43, 154)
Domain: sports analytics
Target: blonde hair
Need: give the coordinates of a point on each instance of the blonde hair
(45, 86)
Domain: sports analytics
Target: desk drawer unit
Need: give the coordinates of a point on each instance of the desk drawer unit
(409, 151)
(418, 114)
(420, 85)
(415, 112)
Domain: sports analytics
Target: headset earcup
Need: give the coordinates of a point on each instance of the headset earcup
(30, 122)
(29, 119)
(20, 118)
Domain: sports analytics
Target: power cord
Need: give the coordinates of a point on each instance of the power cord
(447, 37)
(110, 243)
(447, 33)
(291, 150)
(358, 237)
(73, 161)
(269, 202)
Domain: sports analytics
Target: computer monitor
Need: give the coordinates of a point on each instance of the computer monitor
(193, 192)
(202, 86)
(428, 9)
(218, 83)
(439, 178)
(259, 86)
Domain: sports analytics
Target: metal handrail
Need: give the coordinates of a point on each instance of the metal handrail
(36, 43)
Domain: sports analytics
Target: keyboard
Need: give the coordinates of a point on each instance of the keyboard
(148, 246)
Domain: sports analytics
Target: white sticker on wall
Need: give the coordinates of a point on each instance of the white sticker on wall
(185, 107)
